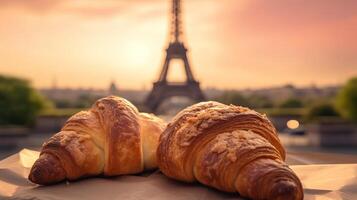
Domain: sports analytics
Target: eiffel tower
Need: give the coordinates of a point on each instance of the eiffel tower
(163, 89)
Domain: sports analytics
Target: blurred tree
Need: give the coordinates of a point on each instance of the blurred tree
(233, 97)
(292, 103)
(62, 103)
(85, 101)
(321, 110)
(347, 100)
(253, 101)
(19, 102)
(258, 101)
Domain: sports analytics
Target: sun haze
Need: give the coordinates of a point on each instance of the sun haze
(232, 44)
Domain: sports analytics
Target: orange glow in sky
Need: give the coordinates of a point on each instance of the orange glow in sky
(232, 44)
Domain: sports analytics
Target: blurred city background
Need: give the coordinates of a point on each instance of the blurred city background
(294, 60)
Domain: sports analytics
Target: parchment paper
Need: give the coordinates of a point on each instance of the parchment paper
(325, 182)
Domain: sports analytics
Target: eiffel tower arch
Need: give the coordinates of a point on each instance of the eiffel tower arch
(163, 89)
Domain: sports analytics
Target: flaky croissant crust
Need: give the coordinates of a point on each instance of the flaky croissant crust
(107, 139)
(193, 125)
(221, 146)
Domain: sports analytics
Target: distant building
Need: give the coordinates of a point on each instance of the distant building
(113, 90)
(138, 96)
(290, 91)
(58, 94)
(71, 94)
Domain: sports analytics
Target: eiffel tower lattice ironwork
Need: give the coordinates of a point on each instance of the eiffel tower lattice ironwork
(163, 89)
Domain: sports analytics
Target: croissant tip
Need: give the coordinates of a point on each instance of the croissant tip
(286, 190)
(47, 170)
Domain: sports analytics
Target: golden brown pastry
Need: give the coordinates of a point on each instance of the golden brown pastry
(230, 148)
(112, 138)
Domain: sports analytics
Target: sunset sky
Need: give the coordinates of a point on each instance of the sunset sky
(232, 43)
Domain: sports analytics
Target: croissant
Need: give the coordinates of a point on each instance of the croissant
(112, 138)
(230, 148)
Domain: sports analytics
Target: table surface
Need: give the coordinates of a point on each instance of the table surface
(156, 186)
(304, 158)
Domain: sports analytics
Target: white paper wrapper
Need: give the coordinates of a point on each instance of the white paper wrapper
(325, 182)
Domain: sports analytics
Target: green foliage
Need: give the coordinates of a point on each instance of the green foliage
(252, 101)
(292, 103)
(232, 97)
(60, 112)
(84, 101)
(347, 100)
(297, 112)
(321, 111)
(19, 102)
(257, 101)
(62, 103)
